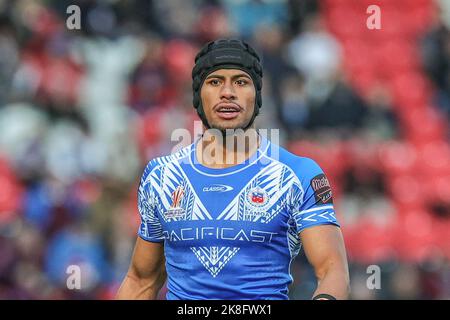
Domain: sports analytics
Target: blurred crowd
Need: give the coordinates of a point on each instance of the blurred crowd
(82, 112)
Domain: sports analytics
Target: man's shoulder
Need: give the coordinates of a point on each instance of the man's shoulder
(302, 166)
(167, 160)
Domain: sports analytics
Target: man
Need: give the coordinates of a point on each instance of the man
(220, 229)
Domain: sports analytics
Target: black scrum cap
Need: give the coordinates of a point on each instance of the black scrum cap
(226, 54)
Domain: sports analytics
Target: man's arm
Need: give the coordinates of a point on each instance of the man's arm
(146, 274)
(324, 247)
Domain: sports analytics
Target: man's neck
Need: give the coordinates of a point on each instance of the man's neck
(216, 150)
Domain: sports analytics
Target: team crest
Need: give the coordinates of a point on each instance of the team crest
(175, 211)
(257, 197)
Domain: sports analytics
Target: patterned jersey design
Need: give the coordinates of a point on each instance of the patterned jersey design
(232, 233)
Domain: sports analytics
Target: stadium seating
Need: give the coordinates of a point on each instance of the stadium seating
(418, 164)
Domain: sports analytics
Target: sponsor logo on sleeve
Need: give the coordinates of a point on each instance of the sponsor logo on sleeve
(322, 189)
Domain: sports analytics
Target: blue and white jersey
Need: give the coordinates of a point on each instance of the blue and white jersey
(232, 233)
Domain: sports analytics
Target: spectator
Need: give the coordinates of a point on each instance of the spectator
(435, 49)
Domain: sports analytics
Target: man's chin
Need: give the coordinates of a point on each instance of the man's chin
(228, 131)
(229, 128)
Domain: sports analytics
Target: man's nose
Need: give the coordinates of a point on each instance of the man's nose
(227, 91)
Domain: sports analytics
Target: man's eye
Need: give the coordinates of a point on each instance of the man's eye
(214, 82)
(241, 82)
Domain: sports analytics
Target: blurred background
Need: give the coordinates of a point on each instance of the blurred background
(83, 111)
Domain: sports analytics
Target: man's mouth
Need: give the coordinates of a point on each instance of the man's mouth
(228, 111)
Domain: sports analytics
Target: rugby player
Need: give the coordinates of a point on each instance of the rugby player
(224, 217)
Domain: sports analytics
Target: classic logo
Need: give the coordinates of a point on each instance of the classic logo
(257, 197)
(322, 189)
(175, 211)
(217, 188)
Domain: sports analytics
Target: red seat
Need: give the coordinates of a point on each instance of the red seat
(367, 241)
(436, 187)
(178, 57)
(398, 157)
(11, 193)
(420, 18)
(395, 56)
(414, 235)
(423, 126)
(346, 22)
(410, 88)
(358, 56)
(406, 191)
(435, 157)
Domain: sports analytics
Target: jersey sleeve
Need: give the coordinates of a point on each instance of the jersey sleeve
(312, 198)
(150, 228)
